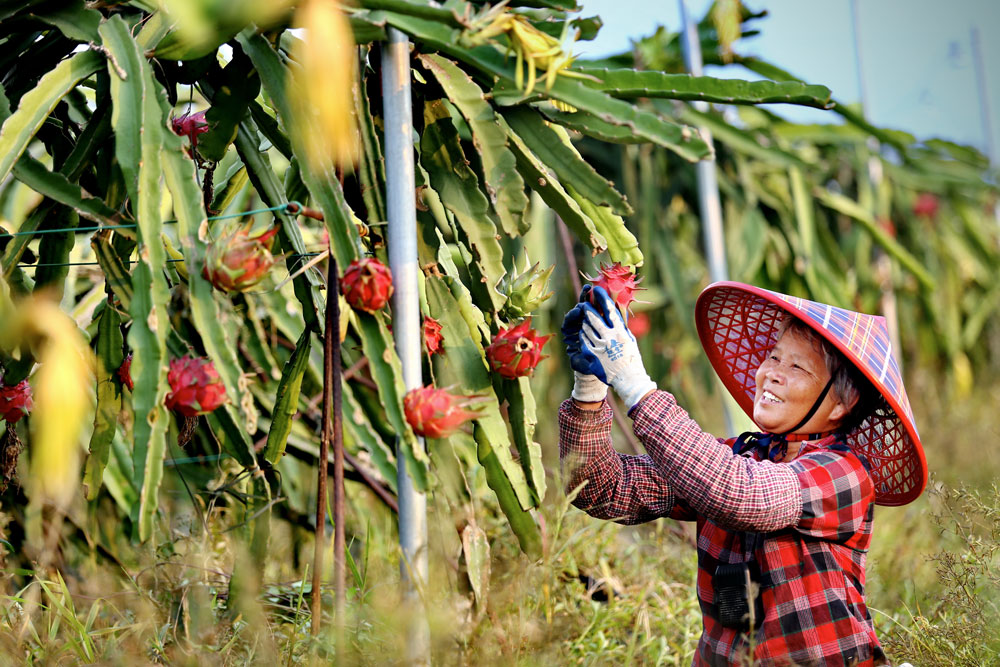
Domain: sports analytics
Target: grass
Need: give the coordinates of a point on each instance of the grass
(602, 594)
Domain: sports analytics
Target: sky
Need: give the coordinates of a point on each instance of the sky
(919, 68)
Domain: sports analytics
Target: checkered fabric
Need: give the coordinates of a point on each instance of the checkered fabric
(738, 326)
(807, 524)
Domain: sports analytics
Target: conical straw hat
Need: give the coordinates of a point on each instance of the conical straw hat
(738, 325)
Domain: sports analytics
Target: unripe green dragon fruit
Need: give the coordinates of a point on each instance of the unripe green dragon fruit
(525, 292)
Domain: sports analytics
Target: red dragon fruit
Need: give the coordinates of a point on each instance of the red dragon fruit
(434, 413)
(619, 282)
(195, 386)
(190, 125)
(15, 401)
(926, 205)
(515, 352)
(432, 336)
(125, 373)
(639, 325)
(367, 285)
(236, 261)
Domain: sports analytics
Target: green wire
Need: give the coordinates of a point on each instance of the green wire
(297, 254)
(294, 205)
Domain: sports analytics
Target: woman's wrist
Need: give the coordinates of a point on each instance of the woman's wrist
(588, 405)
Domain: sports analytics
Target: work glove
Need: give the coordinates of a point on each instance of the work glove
(608, 350)
(586, 386)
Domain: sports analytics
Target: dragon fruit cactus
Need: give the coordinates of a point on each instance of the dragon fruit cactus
(125, 373)
(236, 261)
(515, 352)
(619, 282)
(367, 285)
(15, 401)
(195, 386)
(432, 336)
(190, 125)
(525, 292)
(434, 413)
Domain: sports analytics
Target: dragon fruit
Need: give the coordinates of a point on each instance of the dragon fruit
(926, 205)
(434, 413)
(125, 373)
(236, 261)
(525, 292)
(639, 325)
(15, 401)
(619, 282)
(190, 125)
(515, 352)
(367, 285)
(432, 336)
(195, 386)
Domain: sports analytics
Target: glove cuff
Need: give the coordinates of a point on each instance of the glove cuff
(588, 388)
(632, 389)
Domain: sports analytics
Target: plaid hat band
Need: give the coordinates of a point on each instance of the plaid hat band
(738, 325)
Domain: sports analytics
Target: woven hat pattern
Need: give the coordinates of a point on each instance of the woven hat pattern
(738, 325)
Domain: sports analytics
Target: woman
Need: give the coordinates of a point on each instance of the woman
(784, 516)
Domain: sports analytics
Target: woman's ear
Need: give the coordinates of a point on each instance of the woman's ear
(841, 410)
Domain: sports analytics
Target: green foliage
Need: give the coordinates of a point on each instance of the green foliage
(501, 172)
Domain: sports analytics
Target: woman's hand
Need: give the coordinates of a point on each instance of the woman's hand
(588, 391)
(608, 350)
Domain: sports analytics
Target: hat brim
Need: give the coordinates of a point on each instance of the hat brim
(738, 325)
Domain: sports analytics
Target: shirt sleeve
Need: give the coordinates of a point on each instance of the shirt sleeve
(735, 492)
(626, 489)
(837, 493)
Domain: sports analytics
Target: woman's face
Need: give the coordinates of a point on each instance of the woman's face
(788, 383)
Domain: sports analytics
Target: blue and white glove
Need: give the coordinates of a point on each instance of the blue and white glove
(608, 350)
(586, 386)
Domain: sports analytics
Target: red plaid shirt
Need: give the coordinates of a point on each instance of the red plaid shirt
(813, 516)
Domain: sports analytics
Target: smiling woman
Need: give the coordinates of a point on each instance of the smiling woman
(805, 385)
(784, 516)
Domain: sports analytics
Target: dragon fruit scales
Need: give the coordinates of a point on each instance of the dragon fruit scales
(195, 386)
(236, 261)
(15, 401)
(619, 282)
(516, 351)
(434, 413)
(367, 285)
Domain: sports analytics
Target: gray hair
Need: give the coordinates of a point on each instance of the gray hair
(849, 384)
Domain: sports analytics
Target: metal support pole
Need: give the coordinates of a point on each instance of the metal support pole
(402, 246)
(883, 264)
(708, 184)
(979, 65)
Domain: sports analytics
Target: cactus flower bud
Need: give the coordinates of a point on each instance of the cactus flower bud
(525, 292)
(195, 386)
(236, 262)
(125, 373)
(619, 282)
(434, 413)
(367, 285)
(15, 401)
(432, 336)
(515, 352)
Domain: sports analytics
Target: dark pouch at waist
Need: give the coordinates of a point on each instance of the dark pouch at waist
(737, 596)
